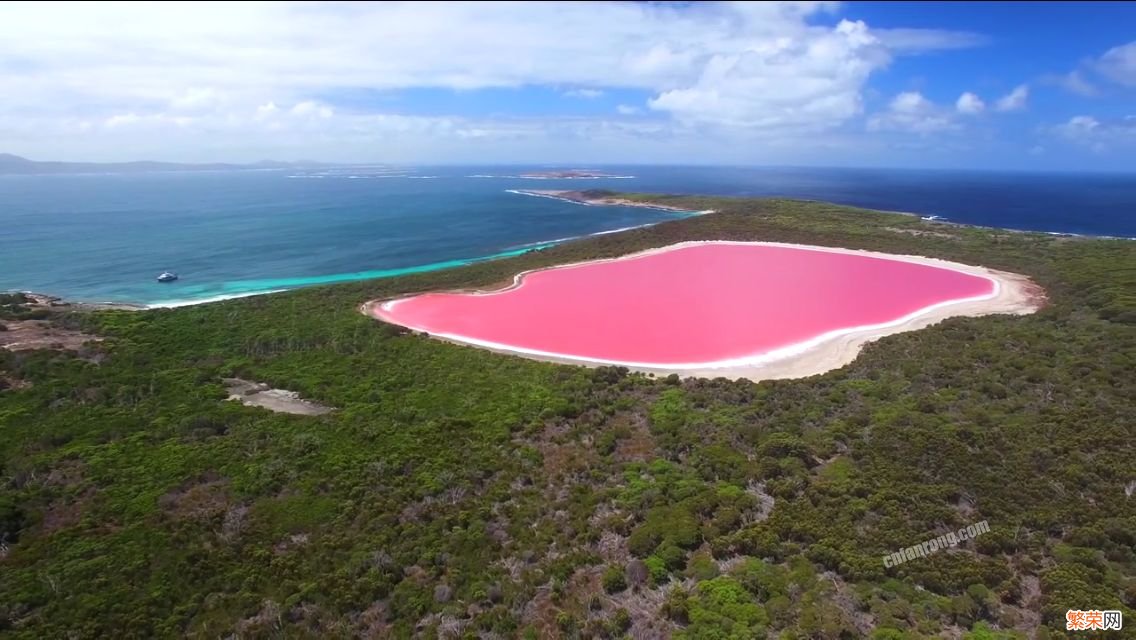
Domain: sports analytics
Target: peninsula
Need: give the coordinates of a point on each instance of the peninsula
(286, 464)
(604, 197)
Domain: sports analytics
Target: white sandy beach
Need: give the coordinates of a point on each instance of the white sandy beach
(1013, 294)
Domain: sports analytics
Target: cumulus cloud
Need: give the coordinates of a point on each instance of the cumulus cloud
(809, 82)
(1119, 64)
(969, 104)
(266, 111)
(910, 111)
(627, 110)
(1098, 135)
(1074, 82)
(1014, 100)
(312, 109)
(587, 94)
(1078, 127)
(215, 67)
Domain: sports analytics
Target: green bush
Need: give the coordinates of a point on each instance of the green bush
(614, 580)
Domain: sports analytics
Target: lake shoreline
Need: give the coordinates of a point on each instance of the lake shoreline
(1013, 294)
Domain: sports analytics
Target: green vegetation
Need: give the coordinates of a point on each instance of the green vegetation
(457, 492)
(16, 306)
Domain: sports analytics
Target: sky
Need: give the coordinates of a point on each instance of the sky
(1016, 85)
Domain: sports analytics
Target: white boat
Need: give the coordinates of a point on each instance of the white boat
(167, 276)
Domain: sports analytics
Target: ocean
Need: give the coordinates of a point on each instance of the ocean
(105, 237)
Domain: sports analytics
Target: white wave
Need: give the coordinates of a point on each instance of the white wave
(542, 242)
(173, 304)
(530, 177)
(521, 192)
(638, 226)
(571, 177)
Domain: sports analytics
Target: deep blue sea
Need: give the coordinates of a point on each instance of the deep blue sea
(104, 238)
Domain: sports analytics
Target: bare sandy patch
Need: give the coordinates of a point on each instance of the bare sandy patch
(22, 335)
(258, 394)
(1013, 294)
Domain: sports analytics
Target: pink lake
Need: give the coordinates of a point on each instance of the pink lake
(694, 304)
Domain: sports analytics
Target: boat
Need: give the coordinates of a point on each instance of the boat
(167, 276)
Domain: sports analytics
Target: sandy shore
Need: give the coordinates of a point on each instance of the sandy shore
(1012, 294)
(583, 197)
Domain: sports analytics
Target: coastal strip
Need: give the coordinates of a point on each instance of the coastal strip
(601, 198)
(1011, 294)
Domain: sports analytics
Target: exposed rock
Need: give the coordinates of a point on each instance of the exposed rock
(636, 573)
(22, 335)
(258, 394)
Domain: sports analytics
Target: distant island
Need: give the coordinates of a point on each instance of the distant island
(569, 174)
(13, 164)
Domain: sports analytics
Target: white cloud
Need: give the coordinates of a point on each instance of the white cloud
(1079, 126)
(151, 121)
(1014, 100)
(969, 104)
(197, 99)
(267, 110)
(924, 40)
(226, 71)
(910, 102)
(587, 94)
(627, 110)
(311, 109)
(1119, 64)
(808, 82)
(1074, 82)
(913, 113)
(121, 120)
(1096, 134)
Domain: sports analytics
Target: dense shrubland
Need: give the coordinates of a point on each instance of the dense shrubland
(459, 493)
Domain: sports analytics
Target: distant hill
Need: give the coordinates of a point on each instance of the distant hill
(13, 164)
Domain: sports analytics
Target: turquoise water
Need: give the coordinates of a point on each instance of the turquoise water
(106, 237)
(240, 288)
